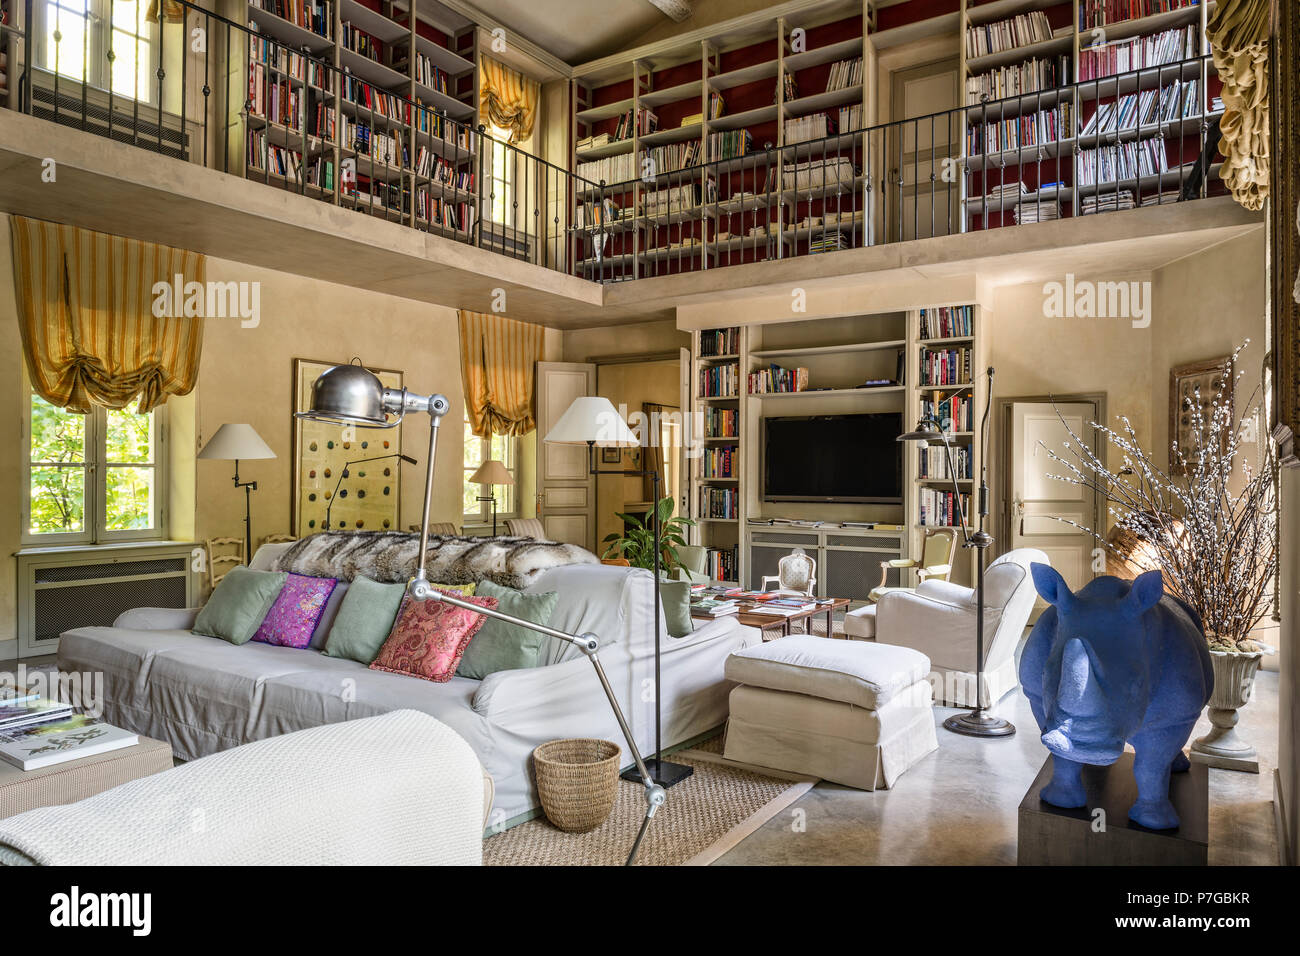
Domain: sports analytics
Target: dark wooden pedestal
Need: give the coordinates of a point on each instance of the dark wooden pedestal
(1051, 836)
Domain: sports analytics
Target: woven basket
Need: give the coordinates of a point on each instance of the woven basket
(577, 780)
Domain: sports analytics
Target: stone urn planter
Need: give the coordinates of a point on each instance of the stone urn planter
(1234, 685)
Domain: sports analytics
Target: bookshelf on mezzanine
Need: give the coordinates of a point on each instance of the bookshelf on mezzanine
(323, 78)
(1036, 150)
(724, 98)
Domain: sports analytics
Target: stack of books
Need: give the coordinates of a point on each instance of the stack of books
(788, 606)
(1041, 210)
(1161, 198)
(1106, 202)
(36, 732)
(1005, 194)
(710, 607)
(828, 242)
(591, 142)
(778, 379)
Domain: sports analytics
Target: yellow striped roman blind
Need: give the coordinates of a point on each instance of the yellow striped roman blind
(508, 98)
(86, 313)
(498, 359)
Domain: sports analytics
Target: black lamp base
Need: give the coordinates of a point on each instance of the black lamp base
(664, 773)
(978, 724)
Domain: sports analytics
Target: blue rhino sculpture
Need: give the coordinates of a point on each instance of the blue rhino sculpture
(1116, 662)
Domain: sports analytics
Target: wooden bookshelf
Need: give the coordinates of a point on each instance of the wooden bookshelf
(417, 50)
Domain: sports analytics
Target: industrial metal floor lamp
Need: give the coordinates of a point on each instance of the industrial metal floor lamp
(593, 421)
(929, 430)
(352, 395)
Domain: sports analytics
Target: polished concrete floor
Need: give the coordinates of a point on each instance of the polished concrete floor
(958, 806)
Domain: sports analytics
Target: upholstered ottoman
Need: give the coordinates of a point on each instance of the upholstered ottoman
(852, 712)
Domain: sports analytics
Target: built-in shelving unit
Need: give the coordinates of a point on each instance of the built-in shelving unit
(328, 86)
(716, 489)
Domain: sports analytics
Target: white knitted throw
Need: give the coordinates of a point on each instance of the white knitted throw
(398, 789)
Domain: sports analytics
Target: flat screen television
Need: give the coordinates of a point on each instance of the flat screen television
(841, 458)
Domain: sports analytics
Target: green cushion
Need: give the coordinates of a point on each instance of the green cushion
(239, 603)
(364, 620)
(499, 646)
(676, 599)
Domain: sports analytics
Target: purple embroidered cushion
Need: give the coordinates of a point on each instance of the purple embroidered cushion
(296, 612)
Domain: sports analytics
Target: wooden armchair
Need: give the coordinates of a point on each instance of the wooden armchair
(796, 573)
(935, 564)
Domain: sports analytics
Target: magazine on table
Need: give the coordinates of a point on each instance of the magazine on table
(710, 608)
(56, 741)
(19, 714)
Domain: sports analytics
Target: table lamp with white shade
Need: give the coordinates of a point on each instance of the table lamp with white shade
(491, 473)
(593, 421)
(233, 442)
(353, 395)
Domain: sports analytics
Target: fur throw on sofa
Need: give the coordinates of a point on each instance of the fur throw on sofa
(393, 556)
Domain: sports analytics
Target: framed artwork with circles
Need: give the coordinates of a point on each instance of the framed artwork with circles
(368, 496)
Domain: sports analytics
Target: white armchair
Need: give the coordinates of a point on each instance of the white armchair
(938, 619)
(796, 573)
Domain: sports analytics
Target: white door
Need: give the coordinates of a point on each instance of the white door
(1038, 501)
(565, 491)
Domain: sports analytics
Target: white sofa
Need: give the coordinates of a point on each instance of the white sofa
(288, 801)
(205, 695)
(938, 619)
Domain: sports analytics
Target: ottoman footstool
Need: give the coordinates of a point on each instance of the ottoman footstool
(852, 712)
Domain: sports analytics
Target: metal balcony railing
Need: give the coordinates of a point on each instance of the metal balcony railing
(198, 87)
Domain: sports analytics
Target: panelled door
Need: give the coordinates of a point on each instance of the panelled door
(920, 201)
(565, 491)
(1039, 501)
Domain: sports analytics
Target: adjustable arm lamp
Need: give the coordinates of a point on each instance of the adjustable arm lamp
(329, 508)
(928, 430)
(352, 395)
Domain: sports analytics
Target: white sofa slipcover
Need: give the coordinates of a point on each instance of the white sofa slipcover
(204, 695)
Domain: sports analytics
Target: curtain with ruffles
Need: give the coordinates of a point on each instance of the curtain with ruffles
(508, 99)
(87, 305)
(498, 362)
(1238, 31)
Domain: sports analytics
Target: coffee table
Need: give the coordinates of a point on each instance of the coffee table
(752, 615)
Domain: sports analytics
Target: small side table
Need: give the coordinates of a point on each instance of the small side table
(22, 790)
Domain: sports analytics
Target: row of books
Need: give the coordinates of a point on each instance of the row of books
(721, 423)
(719, 462)
(667, 200)
(1005, 193)
(647, 121)
(777, 379)
(720, 381)
(1165, 105)
(730, 144)
(1123, 56)
(430, 165)
(280, 59)
(844, 74)
(37, 732)
(1120, 161)
(360, 42)
(314, 15)
(722, 564)
(718, 503)
(850, 118)
(429, 75)
(802, 129)
(1100, 13)
(955, 414)
(948, 321)
(946, 366)
(714, 607)
(443, 212)
(939, 507)
(1019, 132)
(384, 147)
(376, 101)
(720, 341)
(1107, 202)
(609, 169)
(1031, 76)
(790, 86)
(933, 462)
(597, 213)
(1008, 34)
(320, 172)
(828, 242)
(266, 157)
(674, 156)
(276, 101)
(436, 125)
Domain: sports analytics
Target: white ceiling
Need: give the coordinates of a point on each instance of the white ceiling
(576, 30)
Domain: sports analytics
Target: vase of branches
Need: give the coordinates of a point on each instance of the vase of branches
(1208, 522)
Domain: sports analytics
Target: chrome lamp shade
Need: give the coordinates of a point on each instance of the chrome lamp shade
(927, 430)
(353, 395)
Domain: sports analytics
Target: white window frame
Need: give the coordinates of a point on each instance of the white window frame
(98, 70)
(96, 488)
(484, 513)
(501, 188)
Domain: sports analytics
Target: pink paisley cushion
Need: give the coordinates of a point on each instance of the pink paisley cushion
(295, 613)
(429, 638)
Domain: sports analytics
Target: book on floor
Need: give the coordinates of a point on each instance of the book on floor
(57, 741)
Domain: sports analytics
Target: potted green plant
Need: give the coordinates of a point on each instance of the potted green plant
(637, 544)
(1209, 524)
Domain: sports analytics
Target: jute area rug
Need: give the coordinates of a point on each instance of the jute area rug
(705, 816)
